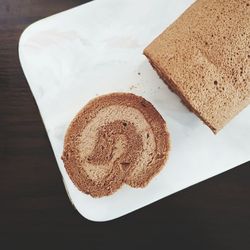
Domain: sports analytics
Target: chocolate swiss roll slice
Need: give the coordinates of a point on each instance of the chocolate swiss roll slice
(115, 139)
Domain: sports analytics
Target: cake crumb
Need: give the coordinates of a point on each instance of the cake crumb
(132, 87)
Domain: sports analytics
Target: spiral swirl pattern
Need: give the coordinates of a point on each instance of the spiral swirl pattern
(115, 139)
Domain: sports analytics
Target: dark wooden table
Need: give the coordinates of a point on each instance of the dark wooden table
(34, 207)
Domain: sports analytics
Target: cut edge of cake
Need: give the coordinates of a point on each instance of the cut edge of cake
(174, 88)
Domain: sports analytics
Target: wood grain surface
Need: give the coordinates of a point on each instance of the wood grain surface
(34, 208)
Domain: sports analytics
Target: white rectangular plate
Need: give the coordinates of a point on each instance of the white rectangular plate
(95, 49)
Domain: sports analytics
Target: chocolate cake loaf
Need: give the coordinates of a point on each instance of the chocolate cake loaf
(204, 57)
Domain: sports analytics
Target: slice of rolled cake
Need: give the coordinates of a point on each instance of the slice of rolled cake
(115, 139)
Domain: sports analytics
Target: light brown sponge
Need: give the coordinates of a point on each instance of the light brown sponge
(204, 56)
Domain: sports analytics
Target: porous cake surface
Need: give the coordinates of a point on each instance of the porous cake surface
(204, 56)
(115, 139)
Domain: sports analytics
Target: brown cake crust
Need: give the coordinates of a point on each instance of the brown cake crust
(115, 139)
(204, 57)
